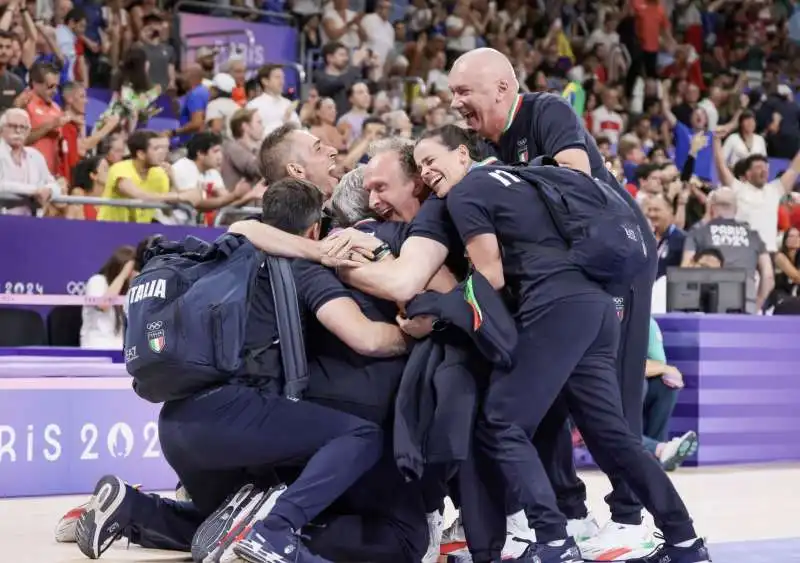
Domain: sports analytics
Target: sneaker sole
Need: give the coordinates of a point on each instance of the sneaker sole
(247, 551)
(106, 500)
(223, 553)
(217, 526)
(686, 449)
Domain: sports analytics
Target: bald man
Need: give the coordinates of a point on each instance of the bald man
(519, 128)
(740, 246)
(192, 118)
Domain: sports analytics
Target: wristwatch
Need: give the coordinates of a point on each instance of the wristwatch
(381, 252)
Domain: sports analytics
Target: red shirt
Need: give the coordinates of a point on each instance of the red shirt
(70, 135)
(80, 50)
(41, 112)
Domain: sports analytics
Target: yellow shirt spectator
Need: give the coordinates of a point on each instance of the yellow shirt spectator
(156, 182)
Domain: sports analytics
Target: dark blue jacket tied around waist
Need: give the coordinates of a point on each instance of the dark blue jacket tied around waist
(437, 398)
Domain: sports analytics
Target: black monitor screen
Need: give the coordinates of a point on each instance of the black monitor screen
(706, 290)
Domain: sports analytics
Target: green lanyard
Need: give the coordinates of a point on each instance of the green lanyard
(512, 113)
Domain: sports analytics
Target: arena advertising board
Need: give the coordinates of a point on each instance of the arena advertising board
(54, 256)
(59, 436)
(271, 43)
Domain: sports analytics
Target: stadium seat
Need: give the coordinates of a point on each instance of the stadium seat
(64, 326)
(21, 327)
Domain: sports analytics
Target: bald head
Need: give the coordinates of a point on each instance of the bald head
(484, 87)
(486, 64)
(194, 73)
(723, 203)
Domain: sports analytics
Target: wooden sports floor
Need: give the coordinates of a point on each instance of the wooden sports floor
(748, 514)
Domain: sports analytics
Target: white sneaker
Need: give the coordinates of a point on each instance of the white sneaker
(519, 536)
(583, 529)
(435, 529)
(619, 542)
(65, 529)
(259, 514)
(453, 538)
(677, 450)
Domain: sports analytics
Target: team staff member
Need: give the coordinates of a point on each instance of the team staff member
(492, 208)
(213, 438)
(522, 127)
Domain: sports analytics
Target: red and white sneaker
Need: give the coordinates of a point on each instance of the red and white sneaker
(65, 529)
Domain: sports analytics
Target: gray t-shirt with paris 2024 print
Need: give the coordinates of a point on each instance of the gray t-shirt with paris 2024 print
(739, 245)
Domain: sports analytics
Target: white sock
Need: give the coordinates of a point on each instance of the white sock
(557, 543)
(687, 543)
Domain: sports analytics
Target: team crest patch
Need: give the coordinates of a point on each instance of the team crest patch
(619, 305)
(156, 339)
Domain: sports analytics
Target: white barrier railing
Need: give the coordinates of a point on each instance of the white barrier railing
(50, 300)
(235, 211)
(14, 200)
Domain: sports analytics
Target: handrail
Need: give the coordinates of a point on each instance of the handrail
(9, 198)
(226, 211)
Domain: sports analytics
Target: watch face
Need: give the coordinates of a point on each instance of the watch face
(439, 324)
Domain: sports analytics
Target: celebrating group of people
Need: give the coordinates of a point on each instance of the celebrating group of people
(455, 240)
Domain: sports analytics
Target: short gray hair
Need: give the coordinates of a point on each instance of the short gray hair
(350, 201)
(14, 111)
(404, 148)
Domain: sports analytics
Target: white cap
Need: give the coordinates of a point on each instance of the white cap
(785, 91)
(224, 82)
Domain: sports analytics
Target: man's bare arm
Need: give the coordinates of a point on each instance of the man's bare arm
(401, 279)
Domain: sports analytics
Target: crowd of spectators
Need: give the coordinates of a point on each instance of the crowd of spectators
(681, 97)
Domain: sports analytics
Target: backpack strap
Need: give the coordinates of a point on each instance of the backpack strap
(290, 328)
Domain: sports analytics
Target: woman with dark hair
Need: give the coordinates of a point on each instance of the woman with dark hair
(133, 96)
(744, 142)
(568, 329)
(102, 324)
(89, 179)
(787, 268)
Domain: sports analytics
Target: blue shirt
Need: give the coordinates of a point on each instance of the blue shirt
(705, 158)
(338, 376)
(536, 264)
(195, 100)
(670, 250)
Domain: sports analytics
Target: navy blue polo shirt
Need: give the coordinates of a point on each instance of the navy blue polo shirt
(339, 377)
(670, 249)
(544, 124)
(536, 265)
(432, 221)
